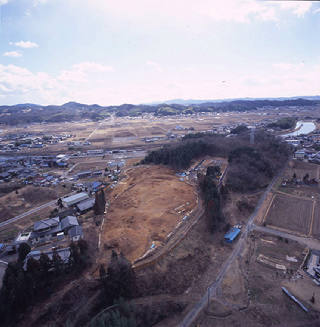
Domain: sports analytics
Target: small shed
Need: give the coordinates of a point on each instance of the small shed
(232, 234)
(75, 233)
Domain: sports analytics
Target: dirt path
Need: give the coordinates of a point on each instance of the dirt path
(309, 242)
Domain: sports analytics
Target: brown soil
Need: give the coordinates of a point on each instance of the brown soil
(268, 306)
(124, 134)
(291, 213)
(143, 209)
(27, 198)
(316, 221)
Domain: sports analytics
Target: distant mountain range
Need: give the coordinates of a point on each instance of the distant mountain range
(195, 101)
(72, 111)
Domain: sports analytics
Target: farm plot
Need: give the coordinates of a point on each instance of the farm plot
(290, 213)
(316, 221)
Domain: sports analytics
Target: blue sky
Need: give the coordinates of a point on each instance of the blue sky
(113, 52)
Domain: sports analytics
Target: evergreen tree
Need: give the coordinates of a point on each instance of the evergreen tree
(23, 250)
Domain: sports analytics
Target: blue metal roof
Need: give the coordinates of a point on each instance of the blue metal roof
(96, 184)
(232, 234)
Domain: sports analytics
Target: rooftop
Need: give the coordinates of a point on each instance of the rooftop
(86, 204)
(75, 231)
(75, 197)
(232, 233)
(46, 223)
(69, 221)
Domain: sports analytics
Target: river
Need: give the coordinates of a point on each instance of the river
(302, 127)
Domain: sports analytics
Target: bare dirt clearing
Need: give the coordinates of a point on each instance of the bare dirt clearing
(291, 213)
(144, 208)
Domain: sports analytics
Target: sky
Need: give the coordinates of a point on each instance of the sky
(113, 52)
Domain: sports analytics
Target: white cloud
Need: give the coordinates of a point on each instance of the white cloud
(154, 65)
(92, 67)
(12, 54)
(25, 44)
(3, 2)
(186, 11)
(87, 81)
(316, 11)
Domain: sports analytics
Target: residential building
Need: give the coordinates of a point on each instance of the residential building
(74, 199)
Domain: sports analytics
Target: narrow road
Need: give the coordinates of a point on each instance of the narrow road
(306, 241)
(98, 126)
(31, 211)
(211, 292)
(27, 213)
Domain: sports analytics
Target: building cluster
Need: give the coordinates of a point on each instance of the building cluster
(18, 142)
(306, 147)
(54, 232)
(313, 266)
(51, 229)
(29, 170)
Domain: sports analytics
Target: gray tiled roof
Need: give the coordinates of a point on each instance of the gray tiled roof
(68, 222)
(86, 204)
(45, 223)
(75, 231)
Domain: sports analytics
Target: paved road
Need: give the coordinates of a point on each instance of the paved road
(199, 306)
(309, 242)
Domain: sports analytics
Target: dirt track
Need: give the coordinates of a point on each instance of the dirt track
(144, 208)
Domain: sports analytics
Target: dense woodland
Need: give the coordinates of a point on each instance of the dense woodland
(284, 123)
(72, 111)
(250, 165)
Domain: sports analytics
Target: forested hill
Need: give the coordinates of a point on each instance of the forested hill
(250, 166)
(73, 111)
